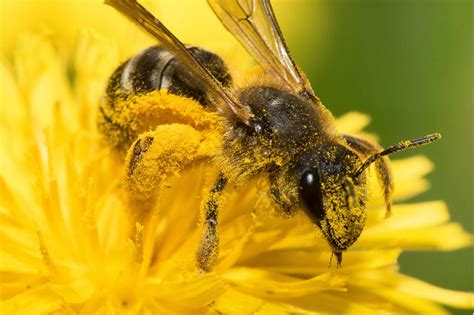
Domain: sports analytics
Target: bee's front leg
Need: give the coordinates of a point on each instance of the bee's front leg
(285, 197)
(208, 250)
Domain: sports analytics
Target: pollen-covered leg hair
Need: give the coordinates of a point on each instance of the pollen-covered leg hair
(282, 195)
(155, 156)
(384, 173)
(208, 250)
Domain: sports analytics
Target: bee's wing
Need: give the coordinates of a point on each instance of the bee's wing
(138, 14)
(254, 24)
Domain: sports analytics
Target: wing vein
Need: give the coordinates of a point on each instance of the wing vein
(254, 24)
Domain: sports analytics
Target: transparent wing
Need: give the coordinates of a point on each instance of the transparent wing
(254, 24)
(138, 14)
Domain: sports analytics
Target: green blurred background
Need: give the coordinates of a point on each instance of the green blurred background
(409, 65)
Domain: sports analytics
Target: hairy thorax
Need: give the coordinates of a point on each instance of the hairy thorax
(285, 125)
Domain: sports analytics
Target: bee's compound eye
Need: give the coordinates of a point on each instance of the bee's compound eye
(310, 189)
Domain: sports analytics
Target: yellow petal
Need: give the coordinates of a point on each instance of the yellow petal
(195, 293)
(409, 176)
(19, 251)
(43, 79)
(274, 285)
(384, 300)
(12, 110)
(34, 301)
(235, 302)
(405, 289)
(409, 180)
(414, 226)
(74, 292)
(415, 287)
(311, 262)
(405, 216)
(14, 283)
(325, 303)
(443, 237)
(352, 122)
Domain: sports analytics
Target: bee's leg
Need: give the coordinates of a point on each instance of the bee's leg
(154, 157)
(208, 250)
(382, 165)
(284, 199)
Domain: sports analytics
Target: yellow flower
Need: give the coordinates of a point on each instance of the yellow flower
(69, 243)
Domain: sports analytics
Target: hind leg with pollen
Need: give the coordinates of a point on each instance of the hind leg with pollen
(157, 155)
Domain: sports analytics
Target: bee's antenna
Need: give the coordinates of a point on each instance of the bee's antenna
(403, 145)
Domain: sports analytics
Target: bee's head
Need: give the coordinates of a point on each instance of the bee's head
(333, 200)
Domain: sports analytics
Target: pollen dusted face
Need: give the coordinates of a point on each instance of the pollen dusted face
(343, 223)
(332, 198)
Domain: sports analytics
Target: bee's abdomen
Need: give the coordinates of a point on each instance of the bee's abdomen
(153, 69)
(141, 73)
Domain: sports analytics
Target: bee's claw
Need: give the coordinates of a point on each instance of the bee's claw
(338, 257)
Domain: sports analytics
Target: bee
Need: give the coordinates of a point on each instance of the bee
(278, 129)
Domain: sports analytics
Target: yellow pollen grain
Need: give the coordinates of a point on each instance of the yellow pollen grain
(405, 143)
(128, 118)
